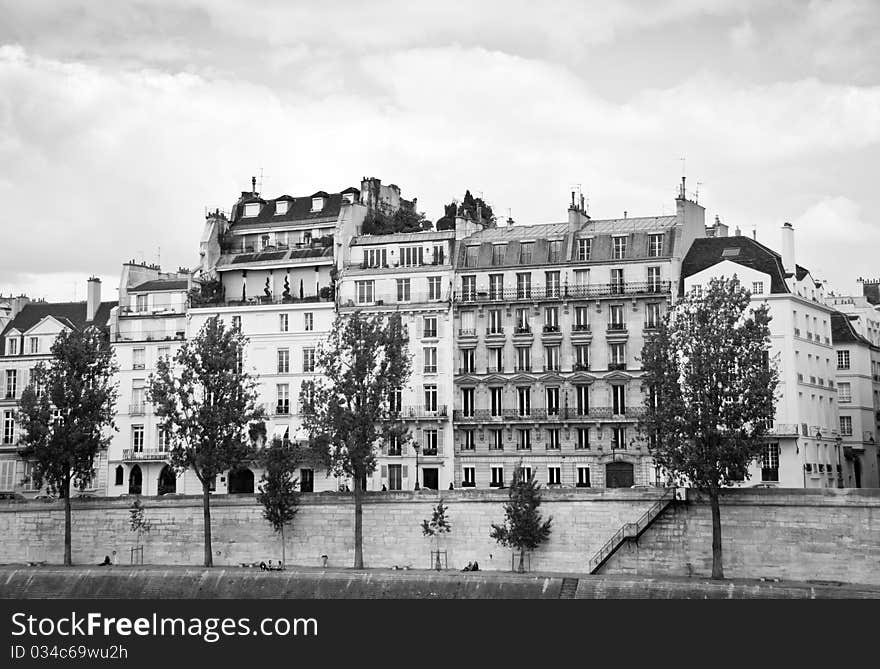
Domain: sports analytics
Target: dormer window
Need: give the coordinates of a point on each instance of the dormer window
(13, 345)
(317, 203)
(281, 207)
(348, 197)
(251, 209)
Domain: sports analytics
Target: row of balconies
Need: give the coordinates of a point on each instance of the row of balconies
(532, 414)
(531, 369)
(468, 333)
(149, 335)
(565, 292)
(812, 337)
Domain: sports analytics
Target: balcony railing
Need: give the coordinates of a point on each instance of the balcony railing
(545, 414)
(614, 366)
(257, 301)
(494, 332)
(522, 330)
(581, 327)
(137, 409)
(467, 332)
(617, 327)
(131, 455)
(551, 329)
(149, 335)
(421, 411)
(566, 292)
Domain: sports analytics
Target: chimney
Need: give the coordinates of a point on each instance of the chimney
(720, 228)
(737, 232)
(93, 298)
(788, 261)
(577, 216)
(254, 185)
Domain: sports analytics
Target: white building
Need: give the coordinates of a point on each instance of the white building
(805, 450)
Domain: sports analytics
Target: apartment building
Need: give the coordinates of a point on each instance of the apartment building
(410, 274)
(804, 450)
(27, 341)
(858, 389)
(149, 323)
(549, 325)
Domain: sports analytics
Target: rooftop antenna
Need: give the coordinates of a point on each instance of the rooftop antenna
(159, 256)
(262, 176)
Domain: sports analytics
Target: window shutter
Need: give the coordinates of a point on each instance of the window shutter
(384, 471)
(439, 442)
(439, 326)
(420, 322)
(404, 472)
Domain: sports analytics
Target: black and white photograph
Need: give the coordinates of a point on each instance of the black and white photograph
(449, 300)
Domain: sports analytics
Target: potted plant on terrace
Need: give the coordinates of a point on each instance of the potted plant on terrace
(436, 528)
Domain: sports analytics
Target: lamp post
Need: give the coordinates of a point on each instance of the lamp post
(416, 448)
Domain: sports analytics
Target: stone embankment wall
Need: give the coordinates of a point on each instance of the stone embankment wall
(822, 534)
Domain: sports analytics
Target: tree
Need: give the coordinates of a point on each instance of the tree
(67, 413)
(206, 403)
(437, 527)
(137, 522)
(523, 529)
(277, 492)
(711, 392)
(348, 409)
(470, 207)
(403, 220)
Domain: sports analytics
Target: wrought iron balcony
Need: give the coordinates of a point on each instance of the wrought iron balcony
(566, 291)
(131, 455)
(613, 366)
(551, 329)
(495, 332)
(137, 409)
(419, 411)
(522, 330)
(617, 327)
(467, 332)
(581, 328)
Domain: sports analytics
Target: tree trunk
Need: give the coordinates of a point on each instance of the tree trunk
(717, 569)
(358, 525)
(283, 552)
(206, 507)
(522, 561)
(68, 560)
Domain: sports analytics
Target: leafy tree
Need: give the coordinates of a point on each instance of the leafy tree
(437, 527)
(277, 492)
(206, 403)
(711, 392)
(348, 409)
(523, 529)
(402, 220)
(137, 521)
(67, 414)
(470, 207)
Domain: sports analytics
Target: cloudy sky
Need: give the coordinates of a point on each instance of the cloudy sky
(120, 122)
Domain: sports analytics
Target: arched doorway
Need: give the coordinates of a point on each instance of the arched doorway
(618, 475)
(135, 481)
(167, 481)
(241, 481)
(120, 475)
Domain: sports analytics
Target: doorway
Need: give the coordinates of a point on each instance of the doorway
(135, 481)
(618, 475)
(241, 481)
(167, 481)
(307, 480)
(431, 478)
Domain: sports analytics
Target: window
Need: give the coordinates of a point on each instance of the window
(162, 440)
(770, 463)
(846, 426)
(617, 355)
(430, 444)
(395, 400)
(12, 346)
(551, 358)
(251, 209)
(523, 359)
(551, 319)
(618, 249)
(468, 359)
(430, 397)
(137, 396)
(365, 291)
(239, 360)
(306, 480)
(11, 383)
(495, 400)
(283, 361)
(403, 291)
(137, 438)
(552, 401)
(317, 203)
(496, 440)
(843, 360)
(496, 286)
(585, 247)
(395, 477)
(307, 237)
(33, 344)
(553, 439)
(282, 322)
(495, 322)
(281, 207)
(525, 473)
(434, 288)
(615, 317)
(468, 287)
(282, 405)
(264, 242)
(429, 329)
(523, 285)
(654, 279)
(308, 321)
(411, 256)
(236, 323)
(583, 477)
(468, 323)
(844, 392)
(497, 477)
(8, 427)
(496, 359)
(525, 252)
(139, 356)
(655, 245)
(498, 251)
(119, 475)
(581, 319)
(524, 400)
(522, 322)
(468, 479)
(617, 286)
(308, 360)
(652, 315)
(430, 358)
(697, 290)
(555, 250)
(523, 439)
(376, 257)
(618, 438)
(467, 441)
(618, 400)
(582, 397)
(7, 475)
(438, 254)
(757, 288)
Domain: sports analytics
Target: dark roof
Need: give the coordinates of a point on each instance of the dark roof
(69, 313)
(160, 284)
(351, 189)
(843, 332)
(299, 209)
(708, 251)
(321, 193)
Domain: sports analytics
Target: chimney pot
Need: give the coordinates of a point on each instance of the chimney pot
(93, 298)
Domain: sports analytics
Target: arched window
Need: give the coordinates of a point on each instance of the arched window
(135, 481)
(241, 481)
(167, 481)
(120, 474)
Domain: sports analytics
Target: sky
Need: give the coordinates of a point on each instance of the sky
(122, 122)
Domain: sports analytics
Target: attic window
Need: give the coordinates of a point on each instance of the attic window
(281, 207)
(729, 253)
(348, 197)
(317, 203)
(251, 209)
